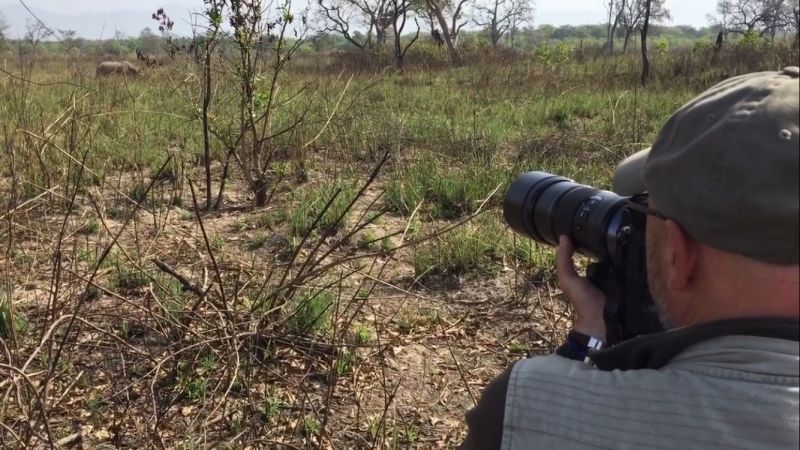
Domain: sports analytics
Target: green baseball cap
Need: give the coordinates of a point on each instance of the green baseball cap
(726, 166)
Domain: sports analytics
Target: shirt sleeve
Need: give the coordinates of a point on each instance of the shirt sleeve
(485, 420)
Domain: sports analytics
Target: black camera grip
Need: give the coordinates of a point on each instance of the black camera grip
(609, 281)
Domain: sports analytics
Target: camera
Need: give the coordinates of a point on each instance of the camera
(602, 225)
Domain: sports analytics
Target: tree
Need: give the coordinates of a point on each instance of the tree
(543, 33)
(764, 17)
(795, 20)
(263, 113)
(518, 20)
(632, 16)
(439, 11)
(400, 11)
(779, 15)
(614, 9)
(149, 42)
(35, 32)
(501, 16)
(68, 40)
(645, 57)
(208, 42)
(381, 18)
(341, 16)
(3, 29)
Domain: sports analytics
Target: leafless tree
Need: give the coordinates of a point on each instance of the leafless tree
(614, 10)
(205, 44)
(795, 20)
(450, 16)
(764, 17)
(263, 115)
(517, 21)
(400, 11)
(68, 39)
(632, 16)
(35, 32)
(498, 16)
(644, 30)
(344, 16)
(779, 15)
(3, 29)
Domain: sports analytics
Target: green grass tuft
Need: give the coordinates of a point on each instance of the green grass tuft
(310, 203)
(310, 313)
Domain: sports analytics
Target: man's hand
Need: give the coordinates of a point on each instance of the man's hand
(587, 301)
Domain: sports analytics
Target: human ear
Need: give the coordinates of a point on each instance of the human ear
(681, 255)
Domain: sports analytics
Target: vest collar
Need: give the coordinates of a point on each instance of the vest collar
(654, 351)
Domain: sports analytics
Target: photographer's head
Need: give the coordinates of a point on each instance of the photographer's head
(724, 173)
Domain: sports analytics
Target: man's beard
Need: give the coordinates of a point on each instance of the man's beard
(656, 283)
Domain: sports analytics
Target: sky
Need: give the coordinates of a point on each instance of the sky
(130, 16)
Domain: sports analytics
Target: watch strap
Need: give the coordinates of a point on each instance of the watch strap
(578, 345)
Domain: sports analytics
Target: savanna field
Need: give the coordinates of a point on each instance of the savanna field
(324, 265)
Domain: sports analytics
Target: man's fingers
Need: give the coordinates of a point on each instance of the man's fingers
(564, 266)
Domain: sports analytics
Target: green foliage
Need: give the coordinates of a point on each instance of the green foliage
(256, 241)
(125, 329)
(309, 313)
(216, 241)
(518, 347)
(12, 322)
(208, 363)
(449, 192)
(196, 388)
(92, 226)
(310, 203)
(272, 407)
(531, 255)
(138, 193)
(96, 406)
(362, 334)
(374, 427)
(172, 296)
(345, 360)
(411, 434)
(366, 238)
(127, 278)
(185, 214)
(311, 426)
(469, 247)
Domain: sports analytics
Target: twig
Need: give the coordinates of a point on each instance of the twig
(73, 438)
(185, 282)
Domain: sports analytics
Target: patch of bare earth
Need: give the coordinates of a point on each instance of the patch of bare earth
(112, 355)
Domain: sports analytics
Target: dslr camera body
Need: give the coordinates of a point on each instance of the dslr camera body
(602, 225)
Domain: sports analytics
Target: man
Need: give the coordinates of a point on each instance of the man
(723, 250)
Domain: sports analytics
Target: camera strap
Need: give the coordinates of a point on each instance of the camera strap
(653, 351)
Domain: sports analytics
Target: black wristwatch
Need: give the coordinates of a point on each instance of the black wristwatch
(578, 345)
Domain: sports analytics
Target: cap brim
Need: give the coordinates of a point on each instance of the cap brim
(628, 176)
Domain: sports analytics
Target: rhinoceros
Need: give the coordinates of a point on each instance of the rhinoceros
(116, 68)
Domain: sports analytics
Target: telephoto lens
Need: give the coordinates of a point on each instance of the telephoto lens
(545, 206)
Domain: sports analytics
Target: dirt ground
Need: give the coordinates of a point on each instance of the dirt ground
(123, 378)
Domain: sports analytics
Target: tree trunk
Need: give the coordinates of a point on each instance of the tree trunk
(206, 138)
(261, 193)
(628, 33)
(399, 56)
(645, 58)
(455, 58)
(612, 27)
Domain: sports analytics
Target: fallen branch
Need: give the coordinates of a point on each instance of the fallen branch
(185, 282)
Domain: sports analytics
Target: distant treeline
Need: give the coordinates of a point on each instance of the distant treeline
(156, 44)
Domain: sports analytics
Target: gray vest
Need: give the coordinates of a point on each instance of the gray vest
(727, 392)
